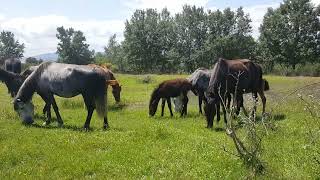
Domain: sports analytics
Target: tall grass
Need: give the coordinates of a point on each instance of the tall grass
(137, 146)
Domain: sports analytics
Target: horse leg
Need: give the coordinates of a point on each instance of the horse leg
(162, 106)
(242, 106)
(88, 120)
(169, 106)
(185, 104)
(200, 97)
(90, 105)
(47, 108)
(264, 100)
(217, 112)
(228, 100)
(56, 110)
(255, 98)
(237, 100)
(209, 112)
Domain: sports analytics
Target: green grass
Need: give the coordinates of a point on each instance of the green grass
(137, 146)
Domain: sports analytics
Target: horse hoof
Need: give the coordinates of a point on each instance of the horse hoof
(105, 127)
(60, 125)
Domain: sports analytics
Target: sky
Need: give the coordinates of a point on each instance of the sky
(34, 22)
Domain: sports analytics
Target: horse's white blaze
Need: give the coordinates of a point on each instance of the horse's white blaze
(177, 103)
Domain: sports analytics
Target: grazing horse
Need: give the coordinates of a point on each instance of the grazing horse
(200, 81)
(13, 81)
(64, 80)
(168, 89)
(111, 80)
(231, 76)
(13, 65)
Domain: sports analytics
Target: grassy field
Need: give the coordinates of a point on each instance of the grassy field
(139, 147)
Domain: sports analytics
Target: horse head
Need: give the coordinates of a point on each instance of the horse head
(25, 110)
(116, 89)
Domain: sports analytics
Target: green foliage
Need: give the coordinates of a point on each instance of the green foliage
(290, 34)
(308, 69)
(159, 42)
(9, 47)
(33, 61)
(72, 48)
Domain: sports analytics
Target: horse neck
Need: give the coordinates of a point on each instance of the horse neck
(218, 77)
(154, 96)
(27, 89)
(6, 76)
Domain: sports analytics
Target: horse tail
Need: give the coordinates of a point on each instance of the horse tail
(101, 97)
(266, 85)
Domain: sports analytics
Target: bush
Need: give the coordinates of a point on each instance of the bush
(301, 70)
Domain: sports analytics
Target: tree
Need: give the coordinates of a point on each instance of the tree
(191, 33)
(9, 47)
(290, 34)
(229, 35)
(34, 61)
(72, 48)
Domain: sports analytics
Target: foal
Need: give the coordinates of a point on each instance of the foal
(168, 89)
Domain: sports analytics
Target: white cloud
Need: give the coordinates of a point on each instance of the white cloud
(39, 33)
(172, 5)
(316, 2)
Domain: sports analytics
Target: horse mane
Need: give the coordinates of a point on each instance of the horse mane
(29, 86)
(218, 72)
(154, 95)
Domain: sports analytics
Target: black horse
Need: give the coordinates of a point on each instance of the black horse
(13, 65)
(13, 81)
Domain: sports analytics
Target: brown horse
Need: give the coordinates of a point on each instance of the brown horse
(235, 77)
(116, 87)
(166, 90)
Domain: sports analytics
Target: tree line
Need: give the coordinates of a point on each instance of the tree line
(161, 42)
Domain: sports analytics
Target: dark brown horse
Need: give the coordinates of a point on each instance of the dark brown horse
(166, 90)
(231, 76)
(13, 65)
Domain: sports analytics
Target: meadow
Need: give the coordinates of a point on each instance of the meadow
(141, 147)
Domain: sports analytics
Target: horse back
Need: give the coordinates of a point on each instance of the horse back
(67, 80)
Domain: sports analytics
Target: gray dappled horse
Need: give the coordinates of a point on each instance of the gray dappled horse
(13, 65)
(64, 80)
(200, 80)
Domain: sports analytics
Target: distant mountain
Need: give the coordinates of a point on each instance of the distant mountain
(47, 57)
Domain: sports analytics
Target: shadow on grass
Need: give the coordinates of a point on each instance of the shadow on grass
(117, 106)
(74, 128)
